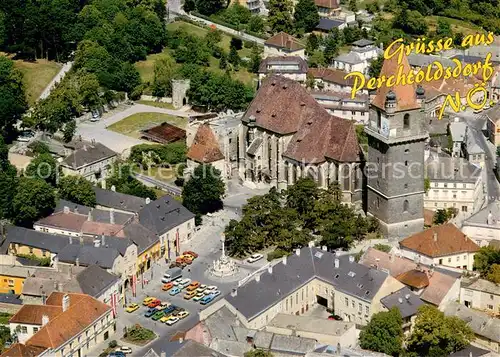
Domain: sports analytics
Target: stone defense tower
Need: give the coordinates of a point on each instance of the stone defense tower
(179, 92)
(397, 132)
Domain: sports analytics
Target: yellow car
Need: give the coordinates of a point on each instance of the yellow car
(189, 294)
(182, 314)
(148, 300)
(132, 307)
(165, 318)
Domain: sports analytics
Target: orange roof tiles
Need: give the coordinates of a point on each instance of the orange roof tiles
(83, 311)
(285, 41)
(415, 278)
(205, 148)
(20, 350)
(69, 221)
(32, 314)
(330, 4)
(331, 75)
(406, 98)
(439, 241)
(428, 217)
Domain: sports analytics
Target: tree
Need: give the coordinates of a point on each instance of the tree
(236, 43)
(317, 59)
(443, 28)
(43, 167)
(223, 61)
(486, 261)
(280, 16)
(203, 192)
(444, 215)
(331, 49)
(384, 333)
(376, 67)
(494, 274)
(78, 190)
(353, 6)
(255, 60)
(312, 43)
(69, 131)
(435, 334)
(12, 97)
(256, 24)
(410, 21)
(209, 7)
(189, 5)
(234, 57)
(124, 182)
(164, 72)
(213, 37)
(427, 184)
(306, 15)
(33, 200)
(258, 353)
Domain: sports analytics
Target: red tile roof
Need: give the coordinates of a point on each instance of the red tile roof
(330, 4)
(68, 221)
(205, 148)
(83, 311)
(285, 41)
(32, 314)
(283, 106)
(428, 217)
(440, 241)
(164, 133)
(20, 350)
(406, 98)
(331, 75)
(415, 278)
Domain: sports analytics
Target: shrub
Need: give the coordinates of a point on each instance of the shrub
(150, 155)
(198, 220)
(138, 333)
(278, 253)
(382, 247)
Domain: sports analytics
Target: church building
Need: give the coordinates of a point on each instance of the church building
(285, 135)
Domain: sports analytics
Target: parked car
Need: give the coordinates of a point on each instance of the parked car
(201, 288)
(193, 286)
(150, 312)
(26, 135)
(126, 350)
(147, 300)
(191, 253)
(95, 116)
(335, 317)
(163, 305)
(207, 299)
(210, 289)
(215, 293)
(177, 265)
(198, 296)
(184, 283)
(117, 354)
(182, 314)
(165, 318)
(154, 303)
(175, 290)
(189, 294)
(132, 307)
(158, 315)
(255, 257)
(167, 286)
(169, 309)
(172, 320)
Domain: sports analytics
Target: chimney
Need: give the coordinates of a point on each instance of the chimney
(66, 209)
(257, 277)
(234, 292)
(336, 263)
(103, 241)
(76, 209)
(351, 258)
(81, 240)
(45, 320)
(103, 184)
(323, 248)
(97, 243)
(284, 260)
(400, 300)
(311, 244)
(148, 200)
(113, 188)
(89, 216)
(270, 269)
(60, 287)
(55, 263)
(55, 286)
(112, 216)
(65, 302)
(181, 340)
(70, 240)
(376, 264)
(435, 235)
(77, 262)
(297, 251)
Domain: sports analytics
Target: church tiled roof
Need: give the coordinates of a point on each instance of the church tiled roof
(205, 148)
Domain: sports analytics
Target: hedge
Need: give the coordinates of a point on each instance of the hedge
(145, 154)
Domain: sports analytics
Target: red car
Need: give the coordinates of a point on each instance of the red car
(191, 253)
(154, 303)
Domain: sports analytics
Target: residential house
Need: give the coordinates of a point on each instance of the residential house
(119, 202)
(324, 331)
(186, 348)
(472, 351)
(326, 25)
(484, 226)
(308, 278)
(255, 6)
(292, 67)
(407, 302)
(283, 44)
(472, 149)
(437, 286)
(329, 350)
(329, 79)
(481, 294)
(340, 104)
(279, 142)
(485, 327)
(12, 278)
(359, 58)
(327, 8)
(93, 281)
(92, 161)
(457, 131)
(443, 245)
(420, 61)
(493, 124)
(454, 183)
(68, 324)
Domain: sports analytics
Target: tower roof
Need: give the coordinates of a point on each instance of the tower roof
(406, 98)
(205, 148)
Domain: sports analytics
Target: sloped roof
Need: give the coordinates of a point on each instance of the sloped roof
(255, 297)
(406, 98)
(284, 41)
(89, 255)
(328, 24)
(439, 241)
(83, 311)
(94, 280)
(88, 154)
(141, 236)
(267, 62)
(205, 148)
(481, 323)
(117, 200)
(406, 301)
(29, 237)
(190, 348)
(415, 278)
(283, 106)
(331, 75)
(20, 350)
(329, 4)
(32, 314)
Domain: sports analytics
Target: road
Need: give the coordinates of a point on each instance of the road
(164, 186)
(59, 76)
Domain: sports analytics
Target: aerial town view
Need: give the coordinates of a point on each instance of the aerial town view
(249, 178)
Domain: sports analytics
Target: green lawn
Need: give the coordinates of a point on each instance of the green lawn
(146, 67)
(132, 125)
(37, 76)
(156, 104)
